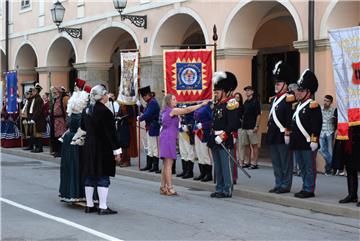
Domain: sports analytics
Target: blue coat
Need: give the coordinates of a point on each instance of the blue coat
(151, 117)
(203, 115)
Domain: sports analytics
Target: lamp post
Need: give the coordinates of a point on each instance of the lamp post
(138, 21)
(57, 13)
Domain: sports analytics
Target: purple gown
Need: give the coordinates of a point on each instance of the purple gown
(168, 134)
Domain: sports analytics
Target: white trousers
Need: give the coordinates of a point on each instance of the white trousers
(187, 151)
(152, 145)
(202, 152)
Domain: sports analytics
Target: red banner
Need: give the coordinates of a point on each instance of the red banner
(188, 74)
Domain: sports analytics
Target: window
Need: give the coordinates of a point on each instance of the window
(1, 7)
(25, 4)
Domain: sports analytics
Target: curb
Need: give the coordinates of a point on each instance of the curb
(321, 207)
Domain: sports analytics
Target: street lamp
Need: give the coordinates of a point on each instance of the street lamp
(57, 14)
(138, 21)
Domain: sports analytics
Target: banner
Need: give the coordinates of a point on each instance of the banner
(188, 74)
(345, 46)
(128, 89)
(11, 92)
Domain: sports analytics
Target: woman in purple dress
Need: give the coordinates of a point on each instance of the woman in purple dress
(168, 136)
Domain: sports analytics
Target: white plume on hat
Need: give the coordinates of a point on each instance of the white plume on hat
(277, 66)
(218, 76)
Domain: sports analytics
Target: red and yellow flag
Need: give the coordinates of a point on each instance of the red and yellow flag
(188, 74)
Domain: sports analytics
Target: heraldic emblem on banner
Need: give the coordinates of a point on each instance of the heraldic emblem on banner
(129, 78)
(188, 74)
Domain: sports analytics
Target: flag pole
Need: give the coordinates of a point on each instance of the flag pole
(138, 122)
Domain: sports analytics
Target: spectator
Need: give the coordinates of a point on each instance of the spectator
(168, 136)
(250, 127)
(240, 150)
(327, 133)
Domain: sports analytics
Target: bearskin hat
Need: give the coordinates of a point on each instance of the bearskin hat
(145, 91)
(283, 73)
(308, 81)
(225, 81)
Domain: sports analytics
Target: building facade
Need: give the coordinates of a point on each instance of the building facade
(252, 37)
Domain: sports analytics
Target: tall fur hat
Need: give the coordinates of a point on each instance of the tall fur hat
(283, 73)
(224, 80)
(308, 81)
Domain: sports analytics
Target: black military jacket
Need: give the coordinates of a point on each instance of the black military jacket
(311, 119)
(225, 119)
(284, 114)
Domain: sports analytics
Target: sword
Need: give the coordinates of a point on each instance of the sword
(236, 162)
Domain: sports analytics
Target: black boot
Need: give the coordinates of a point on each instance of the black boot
(148, 164)
(189, 170)
(208, 173)
(30, 144)
(38, 146)
(183, 164)
(173, 168)
(352, 182)
(202, 173)
(349, 199)
(155, 166)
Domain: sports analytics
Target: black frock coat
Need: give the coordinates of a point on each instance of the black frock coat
(100, 142)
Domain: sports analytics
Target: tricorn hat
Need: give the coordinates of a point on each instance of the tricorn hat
(308, 81)
(225, 81)
(80, 83)
(145, 90)
(283, 73)
(38, 87)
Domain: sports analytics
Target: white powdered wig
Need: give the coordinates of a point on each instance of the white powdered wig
(218, 76)
(77, 102)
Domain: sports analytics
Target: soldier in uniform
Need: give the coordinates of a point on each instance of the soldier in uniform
(202, 129)
(279, 128)
(37, 119)
(186, 145)
(224, 114)
(151, 115)
(26, 118)
(305, 132)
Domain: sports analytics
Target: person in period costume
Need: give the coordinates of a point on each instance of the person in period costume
(279, 128)
(168, 136)
(126, 133)
(101, 150)
(151, 115)
(71, 182)
(37, 119)
(58, 118)
(10, 133)
(352, 165)
(305, 132)
(25, 118)
(202, 130)
(186, 144)
(223, 125)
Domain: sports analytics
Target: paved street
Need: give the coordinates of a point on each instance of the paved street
(146, 215)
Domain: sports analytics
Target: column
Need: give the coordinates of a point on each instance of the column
(94, 73)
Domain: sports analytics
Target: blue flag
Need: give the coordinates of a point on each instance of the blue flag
(11, 92)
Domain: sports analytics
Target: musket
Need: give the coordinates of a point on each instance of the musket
(236, 162)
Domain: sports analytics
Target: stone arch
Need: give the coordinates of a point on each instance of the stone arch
(57, 53)
(190, 14)
(90, 52)
(347, 11)
(253, 11)
(25, 58)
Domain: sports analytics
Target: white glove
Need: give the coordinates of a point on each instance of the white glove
(184, 128)
(137, 118)
(138, 103)
(199, 125)
(32, 122)
(218, 140)
(234, 140)
(314, 146)
(287, 140)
